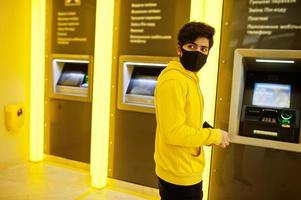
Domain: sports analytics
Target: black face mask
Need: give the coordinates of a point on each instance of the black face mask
(193, 60)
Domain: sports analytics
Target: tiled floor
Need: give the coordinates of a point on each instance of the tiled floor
(51, 181)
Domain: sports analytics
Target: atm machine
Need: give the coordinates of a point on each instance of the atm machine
(266, 95)
(71, 77)
(69, 106)
(134, 119)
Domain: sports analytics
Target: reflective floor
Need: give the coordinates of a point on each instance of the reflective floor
(51, 181)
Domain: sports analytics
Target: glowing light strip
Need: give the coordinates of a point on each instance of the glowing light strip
(197, 10)
(70, 61)
(102, 92)
(145, 64)
(210, 72)
(275, 61)
(37, 72)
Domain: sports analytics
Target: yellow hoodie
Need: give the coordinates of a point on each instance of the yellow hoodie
(179, 154)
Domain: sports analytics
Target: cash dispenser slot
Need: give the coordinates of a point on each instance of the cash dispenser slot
(267, 123)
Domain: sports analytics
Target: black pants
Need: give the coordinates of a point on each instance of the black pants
(170, 191)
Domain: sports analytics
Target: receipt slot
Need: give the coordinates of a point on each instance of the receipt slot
(71, 77)
(266, 95)
(137, 81)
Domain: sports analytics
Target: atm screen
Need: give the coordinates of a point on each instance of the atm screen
(142, 85)
(272, 95)
(73, 74)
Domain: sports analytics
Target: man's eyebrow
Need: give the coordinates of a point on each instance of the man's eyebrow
(203, 46)
(200, 45)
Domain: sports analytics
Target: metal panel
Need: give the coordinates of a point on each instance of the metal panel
(70, 130)
(134, 148)
(248, 172)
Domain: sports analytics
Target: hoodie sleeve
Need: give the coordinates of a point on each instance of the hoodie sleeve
(170, 101)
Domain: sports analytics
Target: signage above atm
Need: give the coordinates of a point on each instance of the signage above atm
(73, 26)
(151, 27)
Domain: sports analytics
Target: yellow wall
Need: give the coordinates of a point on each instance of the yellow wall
(14, 75)
(209, 11)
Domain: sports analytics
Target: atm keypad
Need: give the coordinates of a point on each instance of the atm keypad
(268, 119)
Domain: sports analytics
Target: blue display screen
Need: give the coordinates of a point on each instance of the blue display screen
(272, 95)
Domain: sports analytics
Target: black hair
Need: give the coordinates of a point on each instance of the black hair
(192, 30)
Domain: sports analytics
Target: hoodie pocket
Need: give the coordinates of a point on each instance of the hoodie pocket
(196, 152)
(190, 160)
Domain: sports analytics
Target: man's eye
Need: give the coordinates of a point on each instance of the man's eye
(191, 46)
(204, 49)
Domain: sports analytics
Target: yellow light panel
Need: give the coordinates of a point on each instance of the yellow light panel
(210, 12)
(37, 71)
(102, 92)
(197, 9)
(211, 72)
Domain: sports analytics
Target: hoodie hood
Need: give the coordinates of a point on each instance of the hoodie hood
(176, 65)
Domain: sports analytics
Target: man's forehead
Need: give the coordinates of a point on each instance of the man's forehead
(202, 41)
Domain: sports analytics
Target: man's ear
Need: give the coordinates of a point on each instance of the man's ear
(179, 51)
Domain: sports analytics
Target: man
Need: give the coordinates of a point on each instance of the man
(179, 154)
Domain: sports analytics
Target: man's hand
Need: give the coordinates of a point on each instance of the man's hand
(225, 139)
